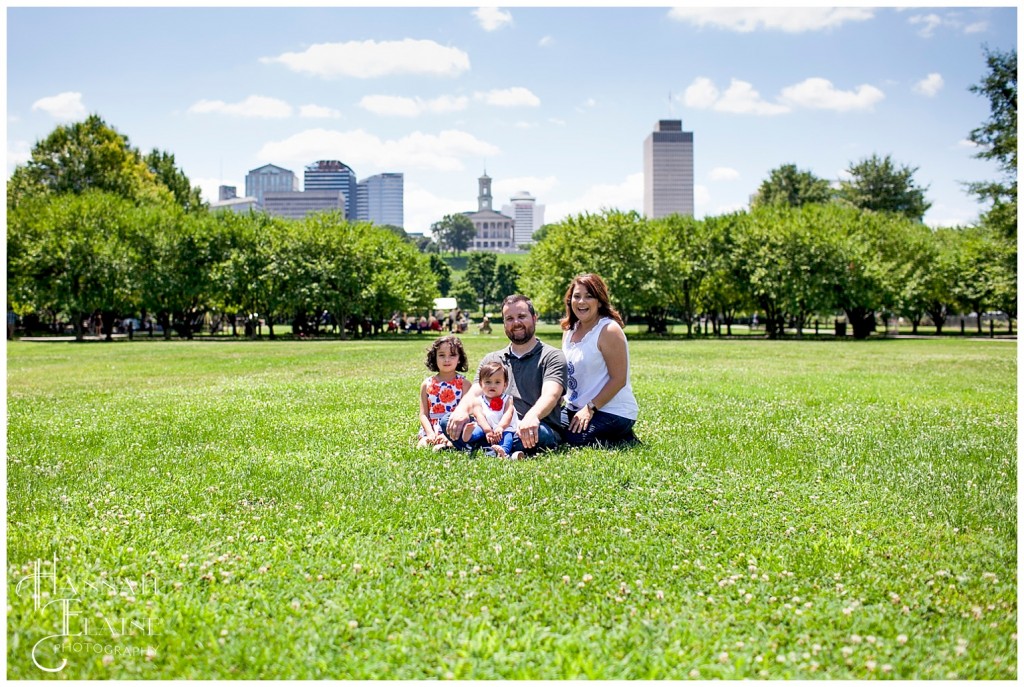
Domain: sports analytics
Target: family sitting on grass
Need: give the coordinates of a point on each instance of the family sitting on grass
(532, 397)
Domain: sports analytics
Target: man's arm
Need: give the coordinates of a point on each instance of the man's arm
(550, 393)
(458, 417)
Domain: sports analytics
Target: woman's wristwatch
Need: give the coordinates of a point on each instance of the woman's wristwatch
(592, 407)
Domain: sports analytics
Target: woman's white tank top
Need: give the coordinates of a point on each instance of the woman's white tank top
(588, 373)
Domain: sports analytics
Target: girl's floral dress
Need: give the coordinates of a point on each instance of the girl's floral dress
(442, 397)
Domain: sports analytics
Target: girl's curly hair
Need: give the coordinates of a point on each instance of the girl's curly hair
(456, 344)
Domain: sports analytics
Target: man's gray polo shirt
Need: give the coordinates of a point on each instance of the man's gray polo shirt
(527, 375)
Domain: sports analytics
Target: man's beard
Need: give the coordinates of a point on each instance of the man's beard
(522, 336)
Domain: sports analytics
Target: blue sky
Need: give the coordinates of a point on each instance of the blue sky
(553, 101)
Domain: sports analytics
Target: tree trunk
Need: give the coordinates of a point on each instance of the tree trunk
(862, 321)
(164, 318)
(108, 325)
(79, 329)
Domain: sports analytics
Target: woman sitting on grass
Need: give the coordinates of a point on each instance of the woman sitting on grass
(600, 408)
(441, 391)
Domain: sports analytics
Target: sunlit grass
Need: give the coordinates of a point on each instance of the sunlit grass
(798, 509)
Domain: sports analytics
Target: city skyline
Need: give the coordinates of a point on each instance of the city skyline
(552, 101)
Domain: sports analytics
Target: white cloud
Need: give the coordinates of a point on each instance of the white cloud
(821, 94)
(492, 18)
(67, 105)
(627, 195)
(546, 41)
(967, 144)
(739, 98)
(423, 208)
(253, 106)
(932, 22)
(930, 85)
(517, 96)
(443, 152)
(928, 22)
(401, 106)
(18, 153)
(790, 20)
(318, 112)
(370, 59)
(724, 174)
(536, 186)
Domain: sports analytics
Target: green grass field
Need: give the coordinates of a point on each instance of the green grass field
(814, 509)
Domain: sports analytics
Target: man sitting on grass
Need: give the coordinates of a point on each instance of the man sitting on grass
(537, 378)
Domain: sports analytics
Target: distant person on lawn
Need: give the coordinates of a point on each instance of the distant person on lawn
(537, 380)
(600, 408)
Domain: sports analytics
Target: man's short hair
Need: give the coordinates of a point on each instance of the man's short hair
(518, 298)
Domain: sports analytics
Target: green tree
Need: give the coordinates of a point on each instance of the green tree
(255, 277)
(454, 233)
(465, 295)
(681, 265)
(178, 253)
(82, 156)
(785, 258)
(722, 293)
(997, 138)
(506, 281)
(874, 264)
(613, 244)
(480, 270)
(982, 277)
(442, 274)
(786, 185)
(938, 299)
(162, 166)
(879, 184)
(72, 254)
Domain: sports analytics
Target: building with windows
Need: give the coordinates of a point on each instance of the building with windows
(380, 199)
(235, 204)
(269, 178)
(298, 204)
(332, 175)
(527, 215)
(668, 170)
(493, 229)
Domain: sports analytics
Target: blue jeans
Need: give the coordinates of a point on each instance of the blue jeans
(547, 438)
(479, 440)
(604, 428)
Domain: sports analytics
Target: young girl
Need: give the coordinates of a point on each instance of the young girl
(441, 392)
(494, 417)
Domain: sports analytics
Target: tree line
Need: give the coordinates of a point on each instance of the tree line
(792, 264)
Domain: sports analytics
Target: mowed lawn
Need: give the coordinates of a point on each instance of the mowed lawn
(799, 509)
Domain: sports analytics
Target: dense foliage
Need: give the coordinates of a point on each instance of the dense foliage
(791, 264)
(96, 229)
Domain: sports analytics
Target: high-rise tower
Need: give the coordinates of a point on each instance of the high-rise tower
(332, 175)
(668, 170)
(379, 199)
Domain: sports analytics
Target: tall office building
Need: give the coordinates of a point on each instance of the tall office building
(668, 170)
(332, 175)
(381, 199)
(528, 217)
(269, 178)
